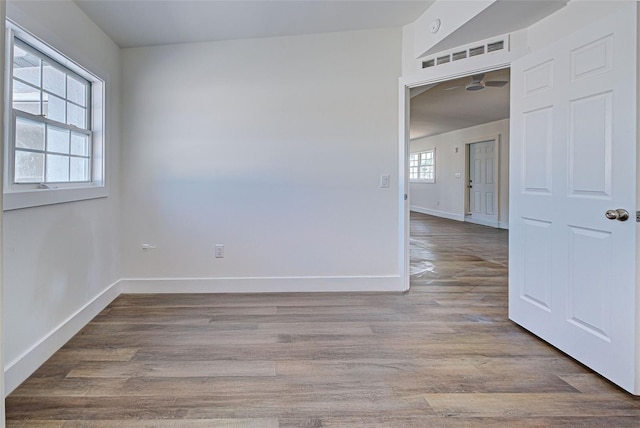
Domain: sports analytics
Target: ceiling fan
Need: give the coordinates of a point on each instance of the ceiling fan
(477, 82)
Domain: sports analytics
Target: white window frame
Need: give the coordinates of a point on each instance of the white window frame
(25, 195)
(422, 155)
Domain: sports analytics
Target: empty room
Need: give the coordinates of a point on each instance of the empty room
(217, 213)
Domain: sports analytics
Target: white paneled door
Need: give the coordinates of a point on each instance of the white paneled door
(483, 181)
(572, 273)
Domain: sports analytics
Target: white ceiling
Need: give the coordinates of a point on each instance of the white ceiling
(133, 23)
(437, 110)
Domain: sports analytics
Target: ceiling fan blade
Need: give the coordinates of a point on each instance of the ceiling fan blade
(496, 83)
(451, 88)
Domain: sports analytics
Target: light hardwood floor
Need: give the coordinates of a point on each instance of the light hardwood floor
(442, 355)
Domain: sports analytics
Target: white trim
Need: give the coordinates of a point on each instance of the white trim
(436, 213)
(503, 225)
(470, 219)
(331, 284)
(39, 197)
(18, 370)
(474, 65)
(3, 14)
(403, 186)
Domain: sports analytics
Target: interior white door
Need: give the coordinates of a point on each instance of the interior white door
(572, 274)
(483, 180)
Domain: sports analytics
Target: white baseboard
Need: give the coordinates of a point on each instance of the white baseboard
(481, 222)
(391, 283)
(18, 370)
(443, 214)
(503, 225)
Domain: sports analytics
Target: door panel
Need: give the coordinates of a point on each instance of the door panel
(589, 297)
(536, 273)
(535, 164)
(572, 276)
(590, 139)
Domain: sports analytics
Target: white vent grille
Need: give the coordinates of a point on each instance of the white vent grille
(456, 56)
(479, 50)
(476, 49)
(443, 59)
(495, 46)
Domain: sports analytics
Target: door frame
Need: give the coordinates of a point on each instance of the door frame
(467, 160)
(433, 75)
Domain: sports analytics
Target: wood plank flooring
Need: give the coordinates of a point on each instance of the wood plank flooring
(442, 355)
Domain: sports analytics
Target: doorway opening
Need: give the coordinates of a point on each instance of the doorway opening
(464, 122)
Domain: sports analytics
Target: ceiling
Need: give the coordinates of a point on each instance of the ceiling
(438, 110)
(133, 23)
(136, 23)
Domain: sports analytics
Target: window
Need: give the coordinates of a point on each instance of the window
(55, 138)
(422, 166)
(51, 120)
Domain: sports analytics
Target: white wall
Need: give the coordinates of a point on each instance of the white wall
(58, 258)
(272, 147)
(446, 197)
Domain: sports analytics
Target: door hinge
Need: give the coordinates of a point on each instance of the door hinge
(637, 216)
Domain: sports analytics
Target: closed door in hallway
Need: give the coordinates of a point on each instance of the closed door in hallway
(483, 200)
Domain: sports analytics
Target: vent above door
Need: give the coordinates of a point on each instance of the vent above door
(462, 53)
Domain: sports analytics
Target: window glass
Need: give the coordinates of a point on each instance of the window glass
(26, 98)
(26, 66)
(422, 166)
(29, 167)
(52, 139)
(57, 140)
(76, 91)
(53, 80)
(29, 134)
(57, 168)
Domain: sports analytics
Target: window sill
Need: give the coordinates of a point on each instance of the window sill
(40, 197)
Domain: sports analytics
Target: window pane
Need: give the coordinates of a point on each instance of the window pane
(53, 80)
(26, 66)
(54, 108)
(29, 134)
(76, 91)
(57, 168)
(26, 98)
(29, 167)
(426, 172)
(57, 140)
(79, 144)
(77, 116)
(79, 169)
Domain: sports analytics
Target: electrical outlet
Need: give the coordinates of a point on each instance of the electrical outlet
(219, 251)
